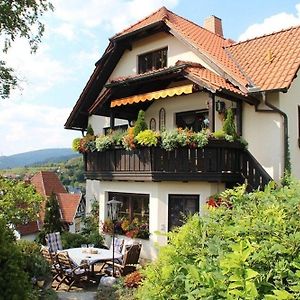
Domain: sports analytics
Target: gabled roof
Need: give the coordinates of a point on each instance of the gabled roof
(68, 204)
(46, 183)
(271, 61)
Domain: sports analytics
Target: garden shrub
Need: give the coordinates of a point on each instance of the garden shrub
(34, 263)
(73, 240)
(14, 281)
(229, 124)
(140, 124)
(247, 251)
(147, 138)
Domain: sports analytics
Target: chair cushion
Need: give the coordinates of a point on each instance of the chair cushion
(53, 241)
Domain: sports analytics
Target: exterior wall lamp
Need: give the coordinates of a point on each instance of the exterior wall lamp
(113, 211)
(220, 106)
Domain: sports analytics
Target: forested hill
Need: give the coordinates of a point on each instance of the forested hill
(31, 158)
(70, 172)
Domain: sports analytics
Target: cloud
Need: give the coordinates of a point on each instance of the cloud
(38, 72)
(114, 15)
(26, 127)
(271, 24)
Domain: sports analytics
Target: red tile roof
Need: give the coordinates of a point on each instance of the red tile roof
(205, 41)
(68, 204)
(196, 71)
(46, 183)
(29, 228)
(271, 61)
(211, 79)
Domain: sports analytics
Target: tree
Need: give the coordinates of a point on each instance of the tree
(52, 222)
(14, 282)
(19, 201)
(19, 19)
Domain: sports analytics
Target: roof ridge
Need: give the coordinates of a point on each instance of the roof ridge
(163, 8)
(192, 22)
(263, 36)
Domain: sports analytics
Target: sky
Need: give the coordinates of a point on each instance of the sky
(76, 36)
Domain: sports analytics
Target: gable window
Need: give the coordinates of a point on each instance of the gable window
(152, 60)
(195, 120)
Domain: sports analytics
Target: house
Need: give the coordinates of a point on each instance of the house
(72, 206)
(181, 74)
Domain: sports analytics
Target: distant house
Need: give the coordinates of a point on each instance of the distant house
(72, 206)
(183, 75)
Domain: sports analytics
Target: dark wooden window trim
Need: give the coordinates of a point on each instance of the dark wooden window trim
(130, 214)
(162, 119)
(194, 123)
(152, 60)
(181, 197)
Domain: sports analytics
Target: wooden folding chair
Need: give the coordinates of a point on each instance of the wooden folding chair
(55, 267)
(71, 272)
(130, 261)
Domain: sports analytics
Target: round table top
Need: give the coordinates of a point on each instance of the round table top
(91, 255)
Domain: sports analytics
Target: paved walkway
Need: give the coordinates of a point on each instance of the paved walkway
(76, 295)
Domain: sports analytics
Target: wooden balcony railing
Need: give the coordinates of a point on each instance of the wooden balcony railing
(217, 161)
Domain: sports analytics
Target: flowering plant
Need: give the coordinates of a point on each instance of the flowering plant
(128, 139)
(132, 229)
(217, 200)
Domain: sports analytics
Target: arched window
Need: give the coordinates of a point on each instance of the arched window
(162, 119)
(152, 124)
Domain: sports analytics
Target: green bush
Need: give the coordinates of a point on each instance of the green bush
(76, 144)
(229, 124)
(14, 281)
(140, 124)
(219, 134)
(35, 265)
(73, 240)
(147, 138)
(103, 142)
(251, 251)
(90, 130)
(169, 140)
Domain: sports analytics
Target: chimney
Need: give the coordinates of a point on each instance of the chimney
(214, 24)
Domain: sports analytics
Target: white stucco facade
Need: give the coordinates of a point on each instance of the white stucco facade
(289, 103)
(176, 51)
(158, 201)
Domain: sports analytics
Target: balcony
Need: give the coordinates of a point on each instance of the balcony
(218, 161)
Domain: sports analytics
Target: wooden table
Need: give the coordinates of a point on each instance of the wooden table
(80, 255)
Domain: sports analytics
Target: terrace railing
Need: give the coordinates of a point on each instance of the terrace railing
(219, 161)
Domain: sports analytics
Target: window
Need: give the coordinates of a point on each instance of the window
(152, 60)
(152, 124)
(133, 205)
(195, 120)
(181, 206)
(162, 119)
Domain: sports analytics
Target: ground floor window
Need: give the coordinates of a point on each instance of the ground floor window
(180, 206)
(133, 205)
(133, 218)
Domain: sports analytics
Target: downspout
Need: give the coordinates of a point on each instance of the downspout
(286, 163)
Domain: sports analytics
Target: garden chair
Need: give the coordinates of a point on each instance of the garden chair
(55, 267)
(119, 244)
(53, 241)
(129, 264)
(71, 272)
